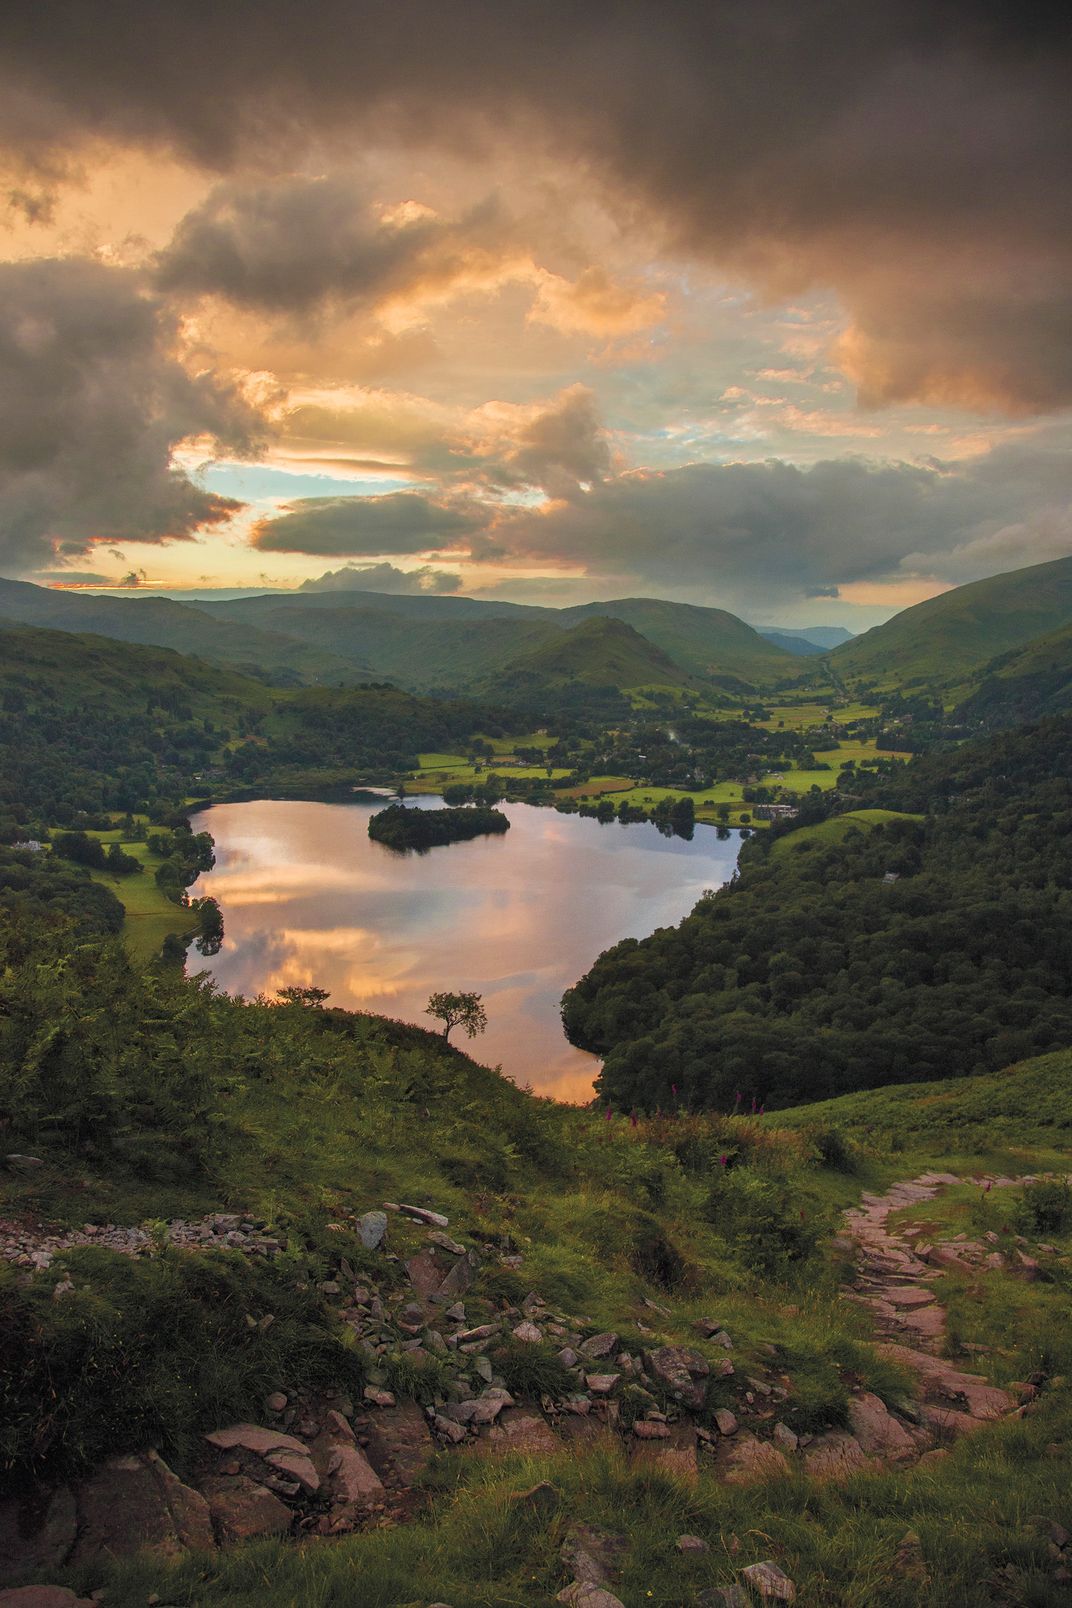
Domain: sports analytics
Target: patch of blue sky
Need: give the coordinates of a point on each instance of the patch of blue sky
(256, 482)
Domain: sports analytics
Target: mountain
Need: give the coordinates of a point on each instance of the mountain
(599, 652)
(419, 650)
(186, 628)
(947, 640)
(456, 642)
(790, 637)
(707, 642)
(801, 646)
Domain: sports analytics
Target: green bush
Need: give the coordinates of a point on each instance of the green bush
(152, 1352)
(1046, 1206)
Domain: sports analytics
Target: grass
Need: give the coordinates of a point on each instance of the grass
(330, 1116)
(835, 828)
(150, 917)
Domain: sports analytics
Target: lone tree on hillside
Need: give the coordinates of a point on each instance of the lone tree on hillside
(458, 1010)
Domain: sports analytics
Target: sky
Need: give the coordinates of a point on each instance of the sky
(751, 303)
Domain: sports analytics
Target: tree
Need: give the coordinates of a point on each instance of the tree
(308, 998)
(458, 1010)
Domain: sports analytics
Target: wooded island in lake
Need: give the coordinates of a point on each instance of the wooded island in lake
(401, 829)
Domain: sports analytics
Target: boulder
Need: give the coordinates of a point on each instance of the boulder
(746, 1460)
(680, 1369)
(253, 1438)
(521, 1431)
(770, 1583)
(579, 1595)
(134, 1503)
(877, 1431)
(400, 1442)
(242, 1510)
(600, 1345)
(372, 1228)
(836, 1456)
(528, 1332)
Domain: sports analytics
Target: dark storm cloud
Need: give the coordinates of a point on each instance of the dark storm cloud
(398, 522)
(798, 144)
(291, 245)
(93, 400)
(384, 578)
(763, 530)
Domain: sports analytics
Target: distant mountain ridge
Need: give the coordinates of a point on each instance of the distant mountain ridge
(435, 643)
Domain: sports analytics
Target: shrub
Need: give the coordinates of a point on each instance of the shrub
(1046, 1206)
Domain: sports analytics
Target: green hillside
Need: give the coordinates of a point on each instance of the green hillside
(946, 641)
(707, 642)
(413, 650)
(903, 945)
(455, 642)
(162, 622)
(1025, 684)
(599, 652)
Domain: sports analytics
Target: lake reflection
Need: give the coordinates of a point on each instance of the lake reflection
(308, 898)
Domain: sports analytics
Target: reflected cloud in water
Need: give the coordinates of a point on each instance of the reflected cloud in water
(308, 898)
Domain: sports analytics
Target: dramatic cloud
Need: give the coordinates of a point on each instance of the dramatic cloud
(93, 401)
(400, 522)
(384, 578)
(797, 145)
(293, 245)
(755, 531)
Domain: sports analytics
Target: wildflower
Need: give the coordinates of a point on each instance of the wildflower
(608, 1114)
(673, 1090)
(723, 1161)
(633, 1119)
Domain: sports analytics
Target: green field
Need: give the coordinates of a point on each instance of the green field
(149, 916)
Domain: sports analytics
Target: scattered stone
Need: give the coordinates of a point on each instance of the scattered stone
(276, 1402)
(601, 1384)
(448, 1430)
(648, 1429)
(680, 1370)
(24, 1164)
(400, 1443)
(521, 1431)
(445, 1243)
(377, 1397)
(770, 1582)
(423, 1215)
(877, 1431)
(784, 1437)
(725, 1421)
(579, 1595)
(528, 1333)
(600, 1345)
(691, 1543)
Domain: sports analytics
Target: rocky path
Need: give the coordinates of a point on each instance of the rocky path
(896, 1280)
(329, 1465)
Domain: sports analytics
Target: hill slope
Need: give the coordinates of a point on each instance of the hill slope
(947, 640)
(706, 642)
(1024, 685)
(599, 652)
(163, 623)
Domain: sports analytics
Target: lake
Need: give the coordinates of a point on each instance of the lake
(308, 898)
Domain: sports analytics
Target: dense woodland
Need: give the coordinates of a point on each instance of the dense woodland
(846, 956)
